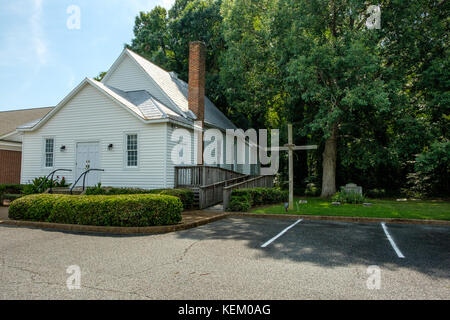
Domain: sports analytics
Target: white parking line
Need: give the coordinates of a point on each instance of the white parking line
(397, 250)
(280, 234)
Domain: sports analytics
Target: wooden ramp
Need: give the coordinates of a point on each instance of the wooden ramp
(213, 185)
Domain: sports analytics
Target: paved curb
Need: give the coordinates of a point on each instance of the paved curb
(113, 230)
(206, 220)
(339, 218)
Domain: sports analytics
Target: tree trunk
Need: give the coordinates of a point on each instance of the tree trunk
(329, 164)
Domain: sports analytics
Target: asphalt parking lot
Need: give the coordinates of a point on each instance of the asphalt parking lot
(235, 258)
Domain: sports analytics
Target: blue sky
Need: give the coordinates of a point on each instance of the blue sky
(42, 60)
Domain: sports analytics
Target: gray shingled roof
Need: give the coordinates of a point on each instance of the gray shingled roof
(177, 90)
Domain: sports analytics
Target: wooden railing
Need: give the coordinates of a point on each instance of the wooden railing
(260, 181)
(213, 194)
(215, 184)
(196, 176)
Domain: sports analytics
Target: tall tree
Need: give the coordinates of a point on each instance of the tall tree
(163, 37)
(330, 58)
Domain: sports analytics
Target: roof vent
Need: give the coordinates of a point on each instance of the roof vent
(173, 74)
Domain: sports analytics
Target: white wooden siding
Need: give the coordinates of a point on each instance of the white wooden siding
(90, 116)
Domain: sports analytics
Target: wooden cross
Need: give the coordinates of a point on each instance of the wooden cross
(291, 147)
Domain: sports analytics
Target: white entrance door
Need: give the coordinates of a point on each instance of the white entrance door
(88, 157)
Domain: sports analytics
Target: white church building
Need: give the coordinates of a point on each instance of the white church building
(123, 125)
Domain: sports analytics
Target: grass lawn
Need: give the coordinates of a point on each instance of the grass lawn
(437, 210)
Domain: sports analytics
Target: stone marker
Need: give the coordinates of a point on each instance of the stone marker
(351, 187)
(336, 203)
(367, 204)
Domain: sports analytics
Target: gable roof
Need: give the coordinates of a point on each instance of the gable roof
(176, 90)
(10, 120)
(140, 104)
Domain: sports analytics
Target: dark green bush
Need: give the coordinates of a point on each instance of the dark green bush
(376, 193)
(8, 191)
(312, 190)
(185, 195)
(244, 199)
(11, 188)
(100, 210)
(11, 196)
(240, 203)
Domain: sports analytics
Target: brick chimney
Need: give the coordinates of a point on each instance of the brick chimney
(196, 91)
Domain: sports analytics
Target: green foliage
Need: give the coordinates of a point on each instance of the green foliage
(435, 210)
(163, 38)
(33, 187)
(376, 193)
(10, 191)
(240, 204)
(432, 171)
(349, 197)
(316, 65)
(244, 199)
(312, 190)
(11, 196)
(185, 195)
(99, 210)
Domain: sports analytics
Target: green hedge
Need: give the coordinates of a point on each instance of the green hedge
(185, 195)
(10, 191)
(244, 199)
(11, 197)
(100, 210)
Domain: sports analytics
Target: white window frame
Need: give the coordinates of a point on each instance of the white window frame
(125, 156)
(44, 153)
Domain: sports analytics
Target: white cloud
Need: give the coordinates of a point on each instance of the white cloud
(23, 41)
(147, 5)
(39, 44)
(167, 3)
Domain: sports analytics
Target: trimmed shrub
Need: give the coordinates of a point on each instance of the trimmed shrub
(100, 210)
(11, 197)
(348, 197)
(244, 199)
(11, 188)
(10, 191)
(240, 203)
(36, 207)
(185, 195)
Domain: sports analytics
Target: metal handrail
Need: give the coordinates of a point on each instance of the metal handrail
(51, 180)
(84, 178)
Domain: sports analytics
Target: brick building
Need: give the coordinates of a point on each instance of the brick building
(11, 141)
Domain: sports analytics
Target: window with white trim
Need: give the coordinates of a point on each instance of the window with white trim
(49, 152)
(132, 150)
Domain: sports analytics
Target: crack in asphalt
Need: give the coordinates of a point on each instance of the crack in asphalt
(186, 251)
(34, 274)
